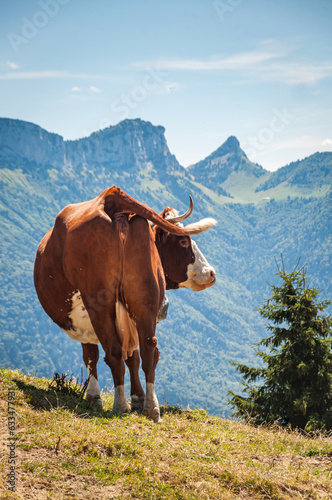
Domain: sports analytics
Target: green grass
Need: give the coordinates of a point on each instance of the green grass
(64, 450)
(243, 189)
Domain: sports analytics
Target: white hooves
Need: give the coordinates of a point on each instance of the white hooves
(151, 405)
(120, 403)
(94, 401)
(92, 396)
(153, 413)
(137, 403)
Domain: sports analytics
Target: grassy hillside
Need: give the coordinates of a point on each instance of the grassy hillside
(64, 450)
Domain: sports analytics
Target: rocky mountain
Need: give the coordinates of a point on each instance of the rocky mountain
(130, 146)
(229, 173)
(26, 142)
(215, 170)
(262, 215)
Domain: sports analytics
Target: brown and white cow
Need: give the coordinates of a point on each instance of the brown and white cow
(101, 274)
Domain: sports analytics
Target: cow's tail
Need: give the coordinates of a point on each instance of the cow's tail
(118, 202)
(125, 328)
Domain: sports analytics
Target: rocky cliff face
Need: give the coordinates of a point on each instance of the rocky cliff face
(21, 140)
(130, 146)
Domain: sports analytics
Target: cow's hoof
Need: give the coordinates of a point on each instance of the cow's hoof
(137, 403)
(120, 402)
(120, 407)
(153, 414)
(120, 411)
(94, 402)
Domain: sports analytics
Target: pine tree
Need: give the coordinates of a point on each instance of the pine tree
(295, 381)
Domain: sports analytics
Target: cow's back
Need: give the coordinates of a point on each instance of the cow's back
(90, 259)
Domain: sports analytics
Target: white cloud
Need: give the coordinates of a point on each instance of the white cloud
(237, 61)
(13, 65)
(94, 89)
(303, 145)
(326, 142)
(76, 89)
(33, 75)
(270, 62)
(293, 73)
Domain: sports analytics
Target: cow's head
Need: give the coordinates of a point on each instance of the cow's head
(184, 264)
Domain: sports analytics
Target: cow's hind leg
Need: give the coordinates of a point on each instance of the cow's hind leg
(104, 326)
(101, 309)
(90, 357)
(136, 392)
(113, 358)
(150, 356)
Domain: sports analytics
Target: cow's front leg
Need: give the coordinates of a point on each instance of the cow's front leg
(90, 357)
(150, 357)
(136, 391)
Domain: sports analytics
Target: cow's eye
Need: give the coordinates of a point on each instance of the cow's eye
(184, 242)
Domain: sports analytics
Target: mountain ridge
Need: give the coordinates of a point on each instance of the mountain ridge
(135, 146)
(301, 172)
(72, 153)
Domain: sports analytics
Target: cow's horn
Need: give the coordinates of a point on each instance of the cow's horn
(200, 226)
(184, 216)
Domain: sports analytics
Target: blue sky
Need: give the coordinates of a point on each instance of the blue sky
(205, 70)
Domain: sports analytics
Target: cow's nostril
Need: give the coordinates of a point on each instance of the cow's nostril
(213, 276)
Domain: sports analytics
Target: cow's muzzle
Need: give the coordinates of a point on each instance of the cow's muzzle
(198, 282)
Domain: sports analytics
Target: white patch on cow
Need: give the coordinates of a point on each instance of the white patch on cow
(126, 330)
(93, 389)
(120, 402)
(198, 273)
(151, 405)
(173, 213)
(82, 329)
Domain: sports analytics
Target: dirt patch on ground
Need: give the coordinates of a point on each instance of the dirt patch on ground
(70, 487)
(32, 485)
